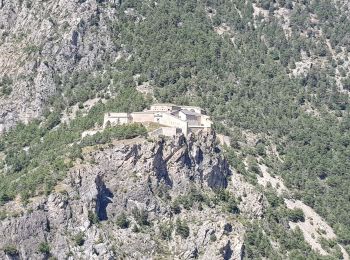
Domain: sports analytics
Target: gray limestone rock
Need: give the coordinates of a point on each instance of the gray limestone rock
(141, 179)
(44, 40)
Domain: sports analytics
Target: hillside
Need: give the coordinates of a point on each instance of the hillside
(134, 198)
(273, 75)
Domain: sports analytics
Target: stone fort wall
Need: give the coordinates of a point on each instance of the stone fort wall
(142, 117)
(170, 120)
(165, 114)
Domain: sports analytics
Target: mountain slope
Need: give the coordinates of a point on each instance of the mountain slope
(135, 198)
(41, 43)
(274, 76)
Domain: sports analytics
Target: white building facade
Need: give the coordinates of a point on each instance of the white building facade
(184, 118)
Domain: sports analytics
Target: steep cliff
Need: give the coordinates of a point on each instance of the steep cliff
(137, 199)
(43, 41)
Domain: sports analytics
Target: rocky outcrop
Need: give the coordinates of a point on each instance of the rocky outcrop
(41, 41)
(140, 180)
(252, 202)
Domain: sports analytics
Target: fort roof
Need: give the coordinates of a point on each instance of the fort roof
(189, 113)
(189, 107)
(118, 114)
(164, 104)
(147, 112)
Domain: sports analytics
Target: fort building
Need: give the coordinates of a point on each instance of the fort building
(173, 118)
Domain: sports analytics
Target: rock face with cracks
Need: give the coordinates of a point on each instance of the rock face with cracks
(119, 202)
(41, 42)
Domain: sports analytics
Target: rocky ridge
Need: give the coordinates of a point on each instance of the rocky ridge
(141, 180)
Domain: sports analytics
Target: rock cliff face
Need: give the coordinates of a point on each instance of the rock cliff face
(120, 201)
(41, 41)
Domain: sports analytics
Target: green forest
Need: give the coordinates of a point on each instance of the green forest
(245, 82)
(247, 85)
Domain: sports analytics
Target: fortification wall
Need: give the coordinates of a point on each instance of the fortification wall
(205, 121)
(164, 107)
(194, 109)
(142, 117)
(196, 129)
(170, 120)
(169, 131)
(116, 119)
(166, 131)
(164, 114)
(194, 121)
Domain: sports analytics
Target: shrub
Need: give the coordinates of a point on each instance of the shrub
(4, 198)
(75, 152)
(296, 215)
(232, 206)
(10, 250)
(79, 239)
(31, 48)
(346, 83)
(273, 199)
(182, 229)
(5, 85)
(188, 200)
(260, 149)
(122, 221)
(44, 248)
(53, 120)
(166, 230)
(253, 165)
(175, 207)
(255, 168)
(135, 229)
(93, 218)
(6, 90)
(141, 217)
(221, 195)
(3, 215)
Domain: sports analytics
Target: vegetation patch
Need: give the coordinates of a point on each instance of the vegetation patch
(6, 86)
(44, 248)
(37, 153)
(10, 250)
(122, 221)
(182, 229)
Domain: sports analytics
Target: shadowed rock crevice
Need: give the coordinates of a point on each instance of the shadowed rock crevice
(226, 251)
(133, 153)
(198, 156)
(160, 167)
(104, 198)
(217, 175)
(185, 159)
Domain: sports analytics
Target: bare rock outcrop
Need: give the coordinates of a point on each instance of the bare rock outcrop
(140, 180)
(253, 203)
(42, 41)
